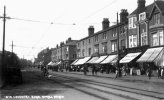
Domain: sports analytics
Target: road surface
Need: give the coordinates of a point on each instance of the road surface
(68, 86)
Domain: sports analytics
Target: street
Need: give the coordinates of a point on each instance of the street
(75, 86)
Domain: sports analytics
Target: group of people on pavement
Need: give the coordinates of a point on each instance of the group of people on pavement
(118, 71)
(160, 72)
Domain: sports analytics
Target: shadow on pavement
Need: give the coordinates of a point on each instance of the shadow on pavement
(33, 85)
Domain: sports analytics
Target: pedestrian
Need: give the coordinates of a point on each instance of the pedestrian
(85, 70)
(93, 69)
(116, 73)
(149, 73)
(162, 73)
(101, 69)
(96, 69)
(159, 72)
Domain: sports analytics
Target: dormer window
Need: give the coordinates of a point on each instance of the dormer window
(142, 16)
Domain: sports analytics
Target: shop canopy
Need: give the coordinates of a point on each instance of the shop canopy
(109, 59)
(150, 55)
(74, 61)
(99, 60)
(50, 63)
(92, 60)
(53, 64)
(129, 57)
(159, 61)
(59, 63)
(82, 61)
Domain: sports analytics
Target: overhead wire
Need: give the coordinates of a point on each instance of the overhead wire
(94, 13)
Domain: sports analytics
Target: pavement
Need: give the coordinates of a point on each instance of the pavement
(130, 78)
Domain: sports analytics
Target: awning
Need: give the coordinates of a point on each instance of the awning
(92, 60)
(129, 57)
(150, 55)
(82, 61)
(155, 54)
(74, 61)
(159, 61)
(50, 63)
(100, 59)
(53, 64)
(59, 63)
(109, 59)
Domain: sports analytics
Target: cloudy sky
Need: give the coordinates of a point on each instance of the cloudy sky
(31, 30)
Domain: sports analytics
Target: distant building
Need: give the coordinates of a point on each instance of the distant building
(65, 53)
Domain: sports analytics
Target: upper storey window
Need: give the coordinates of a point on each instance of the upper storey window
(96, 38)
(132, 21)
(156, 18)
(104, 36)
(142, 16)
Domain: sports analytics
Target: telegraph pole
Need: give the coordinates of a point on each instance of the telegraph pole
(118, 52)
(12, 45)
(3, 47)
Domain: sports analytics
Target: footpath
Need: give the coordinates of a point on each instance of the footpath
(130, 78)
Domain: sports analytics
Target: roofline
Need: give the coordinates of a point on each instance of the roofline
(155, 5)
(99, 32)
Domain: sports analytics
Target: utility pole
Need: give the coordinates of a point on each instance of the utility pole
(3, 47)
(12, 45)
(118, 52)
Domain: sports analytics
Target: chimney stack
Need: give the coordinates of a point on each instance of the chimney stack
(91, 30)
(123, 16)
(105, 23)
(141, 6)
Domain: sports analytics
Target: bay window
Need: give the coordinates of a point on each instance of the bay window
(158, 38)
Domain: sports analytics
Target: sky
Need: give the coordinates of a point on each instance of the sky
(38, 24)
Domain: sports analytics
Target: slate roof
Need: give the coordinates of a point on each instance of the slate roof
(148, 9)
(160, 5)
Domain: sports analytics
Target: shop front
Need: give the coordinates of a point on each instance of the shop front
(129, 64)
(153, 58)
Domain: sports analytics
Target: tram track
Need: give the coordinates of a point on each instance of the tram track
(90, 90)
(150, 94)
